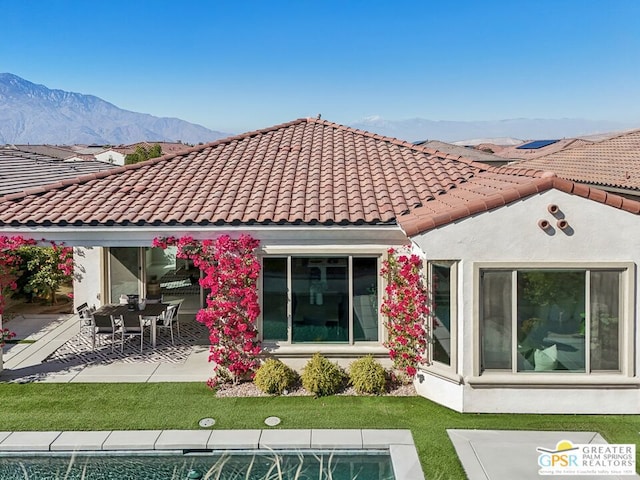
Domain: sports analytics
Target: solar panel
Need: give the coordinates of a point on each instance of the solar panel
(536, 144)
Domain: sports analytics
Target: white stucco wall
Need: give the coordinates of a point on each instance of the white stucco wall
(87, 286)
(598, 233)
(111, 156)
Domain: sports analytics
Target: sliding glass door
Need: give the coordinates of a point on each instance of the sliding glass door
(124, 272)
(320, 299)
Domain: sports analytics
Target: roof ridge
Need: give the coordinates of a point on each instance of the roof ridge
(521, 171)
(376, 136)
(403, 143)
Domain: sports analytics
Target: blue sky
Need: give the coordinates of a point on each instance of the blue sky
(235, 65)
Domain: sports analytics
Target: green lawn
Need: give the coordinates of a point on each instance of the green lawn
(181, 406)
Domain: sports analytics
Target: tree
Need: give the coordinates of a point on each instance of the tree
(44, 270)
(143, 153)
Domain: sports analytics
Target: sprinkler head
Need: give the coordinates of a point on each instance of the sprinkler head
(194, 475)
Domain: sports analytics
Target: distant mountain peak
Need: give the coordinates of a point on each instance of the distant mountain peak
(33, 113)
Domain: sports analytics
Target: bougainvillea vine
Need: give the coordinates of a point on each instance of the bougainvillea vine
(405, 306)
(9, 265)
(230, 272)
(11, 261)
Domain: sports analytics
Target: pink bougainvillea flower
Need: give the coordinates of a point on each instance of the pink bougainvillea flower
(405, 306)
(230, 270)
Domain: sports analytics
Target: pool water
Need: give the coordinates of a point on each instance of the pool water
(253, 465)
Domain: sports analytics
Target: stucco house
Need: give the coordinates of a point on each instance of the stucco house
(117, 155)
(533, 277)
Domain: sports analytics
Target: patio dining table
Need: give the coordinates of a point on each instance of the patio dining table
(151, 310)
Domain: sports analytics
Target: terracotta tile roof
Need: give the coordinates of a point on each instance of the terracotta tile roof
(307, 171)
(614, 162)
(514, 153)
(20, 170)
(477, 155)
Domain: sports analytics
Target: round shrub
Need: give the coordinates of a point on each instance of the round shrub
(367, 376)
(274, 377)
(322, 377)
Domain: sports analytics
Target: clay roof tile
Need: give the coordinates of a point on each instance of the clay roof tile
(304, 171)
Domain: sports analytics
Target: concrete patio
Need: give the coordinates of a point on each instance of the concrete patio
(44, 335)
(504, 454)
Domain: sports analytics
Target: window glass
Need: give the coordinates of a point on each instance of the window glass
(496, 319)
(565, 320)
(365, 299)
(124, 272)
(171, 278)
(319, 307)
(441, 304)
(605, 312)
(274, 299)
(551, 314)
(320, 300)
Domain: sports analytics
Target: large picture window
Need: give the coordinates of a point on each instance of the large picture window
(320, 299)
(551, 320)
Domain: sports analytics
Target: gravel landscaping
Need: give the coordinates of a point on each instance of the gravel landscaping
(249, 389)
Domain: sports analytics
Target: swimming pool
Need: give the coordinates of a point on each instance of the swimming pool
(245, 465)
(339, 446)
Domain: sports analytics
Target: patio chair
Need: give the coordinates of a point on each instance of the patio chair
(167, 320)
(102, 325)
(178, 304)
(131, 326)
(84, 314)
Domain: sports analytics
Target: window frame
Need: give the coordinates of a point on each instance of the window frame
(349, 254)
(450, 370)
(626, 323)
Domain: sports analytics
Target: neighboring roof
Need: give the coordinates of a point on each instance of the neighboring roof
(614, 162)
(535, 144)
(461, 151)
(89, 149)
(23, 170)
(52, 151)
(167, 147)
(516, 152)
(308, 171)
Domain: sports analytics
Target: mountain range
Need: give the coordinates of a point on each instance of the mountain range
(35, 114)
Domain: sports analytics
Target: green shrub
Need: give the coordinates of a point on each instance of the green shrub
(274, 377)
(322, 377)
(367, 376)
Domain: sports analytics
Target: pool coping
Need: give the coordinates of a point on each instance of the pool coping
(399, 442)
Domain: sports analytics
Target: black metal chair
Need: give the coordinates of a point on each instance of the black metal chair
(84, 314)
(102, 325)
(131, 326)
